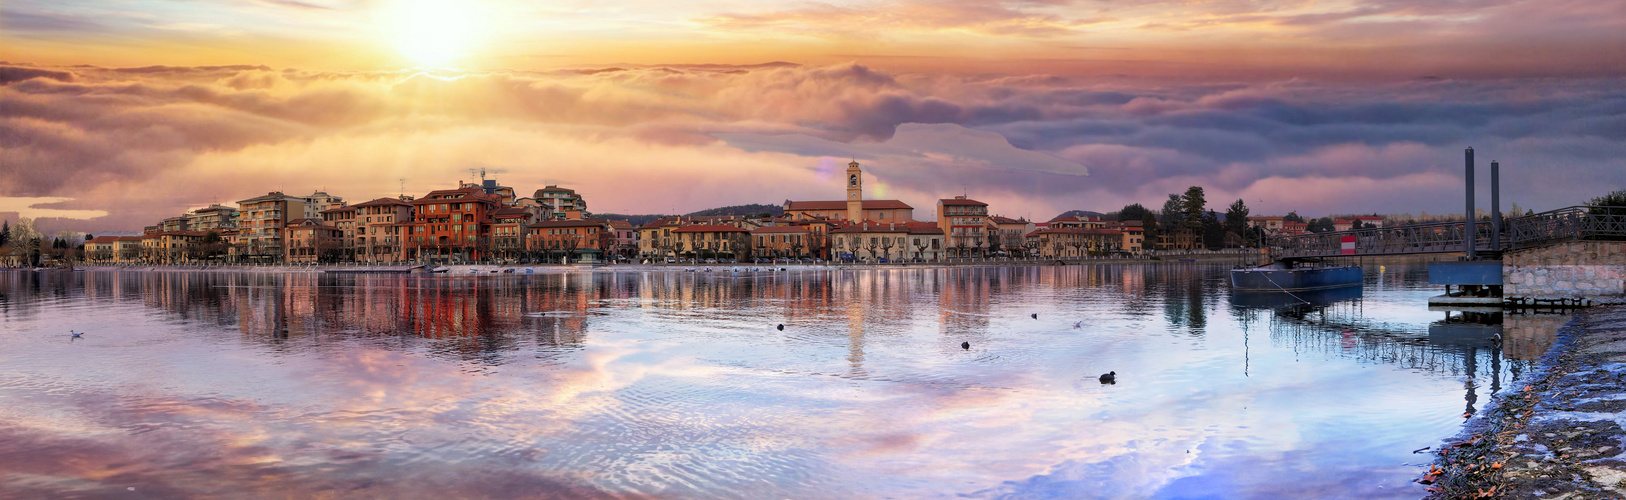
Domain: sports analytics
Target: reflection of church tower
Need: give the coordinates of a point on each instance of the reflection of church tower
(855, 192)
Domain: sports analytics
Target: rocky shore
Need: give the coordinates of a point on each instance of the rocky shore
(1559, 433)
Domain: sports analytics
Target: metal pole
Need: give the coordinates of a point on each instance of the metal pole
(1468, 225)
(1496, 207)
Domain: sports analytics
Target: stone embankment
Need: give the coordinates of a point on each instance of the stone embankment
(1558, 433)
(1594, 270)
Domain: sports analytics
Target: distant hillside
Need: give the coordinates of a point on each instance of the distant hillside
(776, 210)
(752, 210)
(1077, 213)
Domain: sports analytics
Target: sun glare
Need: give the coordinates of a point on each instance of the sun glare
(435, 32)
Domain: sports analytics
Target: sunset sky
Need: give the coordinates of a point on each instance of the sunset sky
(115, 114)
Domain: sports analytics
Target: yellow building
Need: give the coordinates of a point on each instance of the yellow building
(855, 208)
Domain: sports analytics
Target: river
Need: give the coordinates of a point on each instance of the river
(673, 384)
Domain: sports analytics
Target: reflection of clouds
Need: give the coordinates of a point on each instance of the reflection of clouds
(676, 384)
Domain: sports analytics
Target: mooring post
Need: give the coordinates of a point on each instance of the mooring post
(1468, 224)
(1496, 207)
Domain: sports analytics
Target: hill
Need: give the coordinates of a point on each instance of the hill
(776, 210)
(752, 210)
(1077, 213)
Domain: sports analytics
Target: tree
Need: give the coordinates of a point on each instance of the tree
(1321, 225)
(1172, 214)
(1193, 205)
(1212, 230)
(1149, 229)
(5, 233)
(1236, 219)
(1612, 205)
(1294, 217)
(1133, 211)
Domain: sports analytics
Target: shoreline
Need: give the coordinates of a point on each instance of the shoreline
(1558, 433)
(1227, 259)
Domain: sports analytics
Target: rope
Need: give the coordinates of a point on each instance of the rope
(1279, 287)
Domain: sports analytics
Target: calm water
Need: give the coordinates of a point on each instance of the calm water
(678, 385)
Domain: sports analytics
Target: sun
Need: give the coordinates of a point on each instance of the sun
(435, 32)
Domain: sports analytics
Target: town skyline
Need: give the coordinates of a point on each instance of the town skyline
(119, 114)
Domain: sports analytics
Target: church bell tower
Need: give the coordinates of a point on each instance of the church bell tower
(855, 192)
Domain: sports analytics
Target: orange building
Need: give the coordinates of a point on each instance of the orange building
(783, 241)
(451, 225)
(308, 240)
(565, 239)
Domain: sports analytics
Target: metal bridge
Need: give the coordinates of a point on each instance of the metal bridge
(1518, 233)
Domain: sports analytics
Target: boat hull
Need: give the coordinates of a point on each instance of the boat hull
(1292, 280)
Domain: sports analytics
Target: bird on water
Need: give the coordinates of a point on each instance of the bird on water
(781, 327)
(1109, 378)
(965, 345)
(1035, 315)
(76, 335)
(1078, 324)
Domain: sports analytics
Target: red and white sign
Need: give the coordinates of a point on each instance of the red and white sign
(1349, 245)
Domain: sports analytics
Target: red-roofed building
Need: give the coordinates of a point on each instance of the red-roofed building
(783, 241)
(1072, 243)
(508, 232)
(854, 208)
(381, 230)
(707, 241)
(581, 240)
(308, 240)
(1342, 225)
(870, 242)
(451, 225)
(625, 239)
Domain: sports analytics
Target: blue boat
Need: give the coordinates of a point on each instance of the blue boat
(1291, 277)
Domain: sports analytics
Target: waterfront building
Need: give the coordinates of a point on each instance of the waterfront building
(344, 219)
(1011, 233)
(213, 217)
(568, 240)
(655, 240)
(1272, 224)
(1071, 243)
(508, 228)
(1134, 235)
(1342, 225)
(782, 241)
(707, 241)
(965, 225)
(871, 242)
(926, 241)
(309, 240)
(557, 203)
(1368, 220)
(177, 223)
(504, 194)
(625, 240)
(855, 208)
(381, 227)
(319, 201)
(260, 223)
(448, 225)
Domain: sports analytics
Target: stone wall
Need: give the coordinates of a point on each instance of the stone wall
(1587, 269)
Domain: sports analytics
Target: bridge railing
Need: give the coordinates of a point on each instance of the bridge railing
(1564, 224)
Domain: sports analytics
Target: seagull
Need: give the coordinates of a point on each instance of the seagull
(1035, 315)
(76, 335)
(965, 345)
(1078, 324)
(1109, 378)
(781, 327)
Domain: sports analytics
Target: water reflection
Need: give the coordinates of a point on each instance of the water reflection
(677, 384)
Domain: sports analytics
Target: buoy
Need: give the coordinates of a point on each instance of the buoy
(965, 345)
(1109, 378)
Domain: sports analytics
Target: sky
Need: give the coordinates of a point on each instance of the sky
(117, 114)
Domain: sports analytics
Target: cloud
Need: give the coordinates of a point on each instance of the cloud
(148, 143)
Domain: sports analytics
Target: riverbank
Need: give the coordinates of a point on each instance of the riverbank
(1559, 433)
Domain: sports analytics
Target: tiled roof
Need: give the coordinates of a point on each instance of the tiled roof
(709, 228)
(780, 229)
(1070, 230)
(962, 202)
(568, 223)
(1006, 220)
(873, 228)
(383, 202)
(842, 205)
